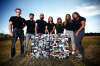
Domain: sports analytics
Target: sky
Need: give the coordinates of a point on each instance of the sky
(90, 9)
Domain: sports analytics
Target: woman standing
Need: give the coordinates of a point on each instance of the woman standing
(50, 27)
(79, 29)
(68, 26)
(59, 26)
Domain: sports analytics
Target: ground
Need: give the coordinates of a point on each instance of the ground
(90, 43)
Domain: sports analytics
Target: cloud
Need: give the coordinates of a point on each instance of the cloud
(86, 10)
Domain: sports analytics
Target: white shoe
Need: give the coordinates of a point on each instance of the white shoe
(79, 56)
(73, 52)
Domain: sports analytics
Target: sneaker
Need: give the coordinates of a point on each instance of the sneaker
(73, 52)
(79, 56)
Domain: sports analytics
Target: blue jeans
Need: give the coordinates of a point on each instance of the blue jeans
(17, 33)
(79, 41)
(28, 37)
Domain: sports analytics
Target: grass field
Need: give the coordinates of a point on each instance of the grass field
(90, 43)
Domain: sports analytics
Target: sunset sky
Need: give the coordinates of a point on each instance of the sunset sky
(90, 9)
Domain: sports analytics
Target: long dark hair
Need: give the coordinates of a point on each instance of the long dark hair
(51, 18)
(59, 23)
(59, 18)
(76, 14)
(67, 20)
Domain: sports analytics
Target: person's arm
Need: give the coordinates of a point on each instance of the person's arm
(10, 26)
(53, 30)
(36, 27)
(25, 23)
(46, 29)
(82, 26)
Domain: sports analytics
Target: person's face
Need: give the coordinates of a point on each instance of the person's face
(31, 16)
(18, 12)
(75, 16)
(50, 19)
(67, 17)
(59, 20)
(41, 17)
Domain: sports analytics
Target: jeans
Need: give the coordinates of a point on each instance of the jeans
(28, 37)
(17, 33)
(79, 41)
(72, 36)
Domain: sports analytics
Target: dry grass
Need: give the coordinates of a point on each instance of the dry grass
(90, 43)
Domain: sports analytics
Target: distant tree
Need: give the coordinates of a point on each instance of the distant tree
(92, 34)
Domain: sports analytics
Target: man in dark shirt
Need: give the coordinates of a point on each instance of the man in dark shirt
(30, 31)
(41, 25)
(30, 24)
(79, 29)
(16, 25)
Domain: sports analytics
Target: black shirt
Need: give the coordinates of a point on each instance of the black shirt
(41, 24)
(69, 26)
(77, 23)
(18, 22)
(30, 26)
(50, 26)
(59, 28)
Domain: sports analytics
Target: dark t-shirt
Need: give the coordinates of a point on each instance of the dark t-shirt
(77, 23)
(41, 24)
(50, 27)
(69, 26)
(30, 26)
(59, 28)
(18, 22)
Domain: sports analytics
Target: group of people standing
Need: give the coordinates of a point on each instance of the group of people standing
(74, 26)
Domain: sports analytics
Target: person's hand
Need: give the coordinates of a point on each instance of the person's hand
(11, 34)
(76, 33)
(50, 32)
(46, 31)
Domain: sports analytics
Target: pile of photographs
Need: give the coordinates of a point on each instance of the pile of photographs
(46, 45)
